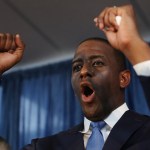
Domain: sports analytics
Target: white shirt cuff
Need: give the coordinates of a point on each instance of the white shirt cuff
(143, 68)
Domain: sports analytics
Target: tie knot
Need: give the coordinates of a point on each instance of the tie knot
(98, 125)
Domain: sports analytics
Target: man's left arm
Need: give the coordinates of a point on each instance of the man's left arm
(126, 38)
(143, 71)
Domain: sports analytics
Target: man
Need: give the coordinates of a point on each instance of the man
(11, 51)
(3, 144)
(99, 78)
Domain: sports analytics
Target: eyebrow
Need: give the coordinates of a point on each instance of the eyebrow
(96, 56)
(76, 60)
(91, 57)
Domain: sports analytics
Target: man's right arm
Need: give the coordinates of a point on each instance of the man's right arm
(11, 51)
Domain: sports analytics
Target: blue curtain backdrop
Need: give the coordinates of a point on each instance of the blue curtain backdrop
(40, 102)
(36, 103)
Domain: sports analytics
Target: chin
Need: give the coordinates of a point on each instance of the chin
(93, 117)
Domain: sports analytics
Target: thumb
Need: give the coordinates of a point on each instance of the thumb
(19, 42)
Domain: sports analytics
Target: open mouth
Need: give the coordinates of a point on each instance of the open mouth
(87, 91)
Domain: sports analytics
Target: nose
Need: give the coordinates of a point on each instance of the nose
(85, 72)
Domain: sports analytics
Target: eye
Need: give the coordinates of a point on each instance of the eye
(76, 68)
(98, 63)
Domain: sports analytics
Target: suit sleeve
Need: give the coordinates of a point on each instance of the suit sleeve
(145, 82)
(31, 146)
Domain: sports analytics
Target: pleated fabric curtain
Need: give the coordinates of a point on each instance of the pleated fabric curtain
(39, 102)
(135, 96)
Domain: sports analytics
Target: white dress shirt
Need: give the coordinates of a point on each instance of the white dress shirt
(111, 120)
(143, 69)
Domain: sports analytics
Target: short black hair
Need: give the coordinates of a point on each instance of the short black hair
(95, 39)
(120, 58)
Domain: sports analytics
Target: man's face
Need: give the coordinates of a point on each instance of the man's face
(96, 80)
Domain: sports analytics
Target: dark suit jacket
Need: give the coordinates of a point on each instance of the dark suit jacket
(145, 82)
(131, 132)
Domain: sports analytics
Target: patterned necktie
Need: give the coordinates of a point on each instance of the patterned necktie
(96, 140)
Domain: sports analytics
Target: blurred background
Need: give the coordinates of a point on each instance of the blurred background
(36, 97)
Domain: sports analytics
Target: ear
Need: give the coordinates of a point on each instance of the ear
(124, 77)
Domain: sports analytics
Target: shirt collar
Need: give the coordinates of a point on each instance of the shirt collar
(111, 120)
(115, 115)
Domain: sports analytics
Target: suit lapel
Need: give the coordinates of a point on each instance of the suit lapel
(68, 140)
(74, 139)
(75, 142)
(123, 129)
